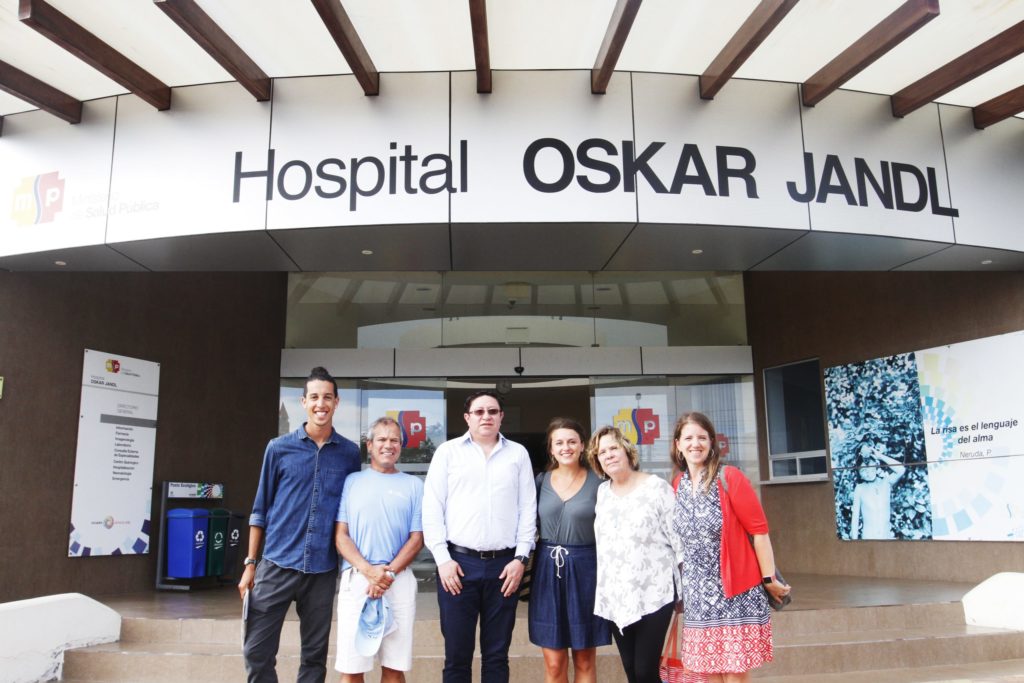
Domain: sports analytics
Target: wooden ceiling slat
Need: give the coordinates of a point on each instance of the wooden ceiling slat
(761, 22)
(611, 47)
(191, 18)
(29, 88)
(336, 20)
(481, 44)
(998, 108)
(56, 26)
(966, 67)
(887, 34)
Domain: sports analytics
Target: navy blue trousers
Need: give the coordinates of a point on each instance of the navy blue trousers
(480, 599)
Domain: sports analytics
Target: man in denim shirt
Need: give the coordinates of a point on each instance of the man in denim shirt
(300, 486)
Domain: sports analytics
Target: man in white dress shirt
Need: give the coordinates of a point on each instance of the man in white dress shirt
(479, 521)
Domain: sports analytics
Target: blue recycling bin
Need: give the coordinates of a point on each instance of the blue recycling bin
(187, 531)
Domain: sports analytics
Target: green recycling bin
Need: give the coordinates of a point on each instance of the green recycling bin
(218, 541)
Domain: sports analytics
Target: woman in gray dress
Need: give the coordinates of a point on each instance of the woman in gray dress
(561, 615)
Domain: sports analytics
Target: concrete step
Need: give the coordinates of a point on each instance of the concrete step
(428, 632)
(1006, 671)
(815, 643)
(851, 651)
(209, 663)
(797, 622)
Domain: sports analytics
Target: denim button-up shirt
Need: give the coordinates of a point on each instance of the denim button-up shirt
(298, 495)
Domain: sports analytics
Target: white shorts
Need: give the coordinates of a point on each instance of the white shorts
(396, 648)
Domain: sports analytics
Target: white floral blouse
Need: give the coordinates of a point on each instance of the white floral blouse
(638, 554)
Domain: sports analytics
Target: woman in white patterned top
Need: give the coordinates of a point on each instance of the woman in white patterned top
(637, 554)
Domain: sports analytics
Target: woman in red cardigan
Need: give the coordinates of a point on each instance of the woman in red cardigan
(727, 558)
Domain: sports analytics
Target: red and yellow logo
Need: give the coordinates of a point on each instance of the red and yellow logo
(413, 426)
(113, 365)
(640, 425)
(38, 199)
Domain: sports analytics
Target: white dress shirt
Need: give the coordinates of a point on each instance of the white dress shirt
(480, 502)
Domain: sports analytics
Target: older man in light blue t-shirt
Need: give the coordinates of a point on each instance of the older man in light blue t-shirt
(378, 533)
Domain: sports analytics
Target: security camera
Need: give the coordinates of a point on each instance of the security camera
(519, 369)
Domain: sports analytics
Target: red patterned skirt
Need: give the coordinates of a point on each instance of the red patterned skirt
(727, 648)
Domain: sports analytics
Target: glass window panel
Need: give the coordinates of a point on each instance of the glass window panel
(784, 467)
(793, 402)
(815, 465)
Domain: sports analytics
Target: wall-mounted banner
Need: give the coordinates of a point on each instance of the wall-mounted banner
(422, 417)
(930, 444)
(642, 414)
(112, 500)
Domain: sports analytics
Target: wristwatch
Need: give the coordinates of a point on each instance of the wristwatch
(525, 559)
(767, 579)
(249, 560)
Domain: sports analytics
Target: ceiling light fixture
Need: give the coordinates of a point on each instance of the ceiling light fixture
(986, 262)
(697, 252)
(367, 252)
(60, 263)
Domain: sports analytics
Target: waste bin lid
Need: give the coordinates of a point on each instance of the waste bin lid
(220, 512)
(187, 512)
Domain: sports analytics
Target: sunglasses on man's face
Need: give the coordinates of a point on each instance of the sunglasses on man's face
(480, 412)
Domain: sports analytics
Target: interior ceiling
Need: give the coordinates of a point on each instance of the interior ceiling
(55, 54)
(527, 292)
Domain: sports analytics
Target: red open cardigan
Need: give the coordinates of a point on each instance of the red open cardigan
(742, 517)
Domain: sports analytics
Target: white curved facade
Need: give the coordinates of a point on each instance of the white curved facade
(540, 174)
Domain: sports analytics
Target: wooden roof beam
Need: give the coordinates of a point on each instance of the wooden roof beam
(56, 26)
(29, 88)
(345, 36)
(964, 68)
(481, 44)
(887, 34)
(761, 22)
(191, 18)
(611, 47)
(998, 108)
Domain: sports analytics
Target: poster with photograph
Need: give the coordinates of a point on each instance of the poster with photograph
(112, 499)
(929, 444)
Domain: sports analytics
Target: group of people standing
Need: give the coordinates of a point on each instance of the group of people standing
(612, 559)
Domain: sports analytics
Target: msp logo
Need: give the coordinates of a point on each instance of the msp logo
(723, 445)
(640, 425)
(414, 427)
(38, 199)
(113, 365)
